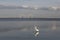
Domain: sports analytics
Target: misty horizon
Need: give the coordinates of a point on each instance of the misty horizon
(30, 8)
(33, 12)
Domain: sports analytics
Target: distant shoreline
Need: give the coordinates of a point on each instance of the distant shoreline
(29, 19)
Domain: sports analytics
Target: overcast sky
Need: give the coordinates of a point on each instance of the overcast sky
(31, 2)
(14, 12)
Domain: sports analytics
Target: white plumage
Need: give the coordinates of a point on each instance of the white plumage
(36, 30)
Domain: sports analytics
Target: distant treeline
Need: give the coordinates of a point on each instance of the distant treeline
(29, 19)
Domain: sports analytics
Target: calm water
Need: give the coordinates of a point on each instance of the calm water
(24, 30)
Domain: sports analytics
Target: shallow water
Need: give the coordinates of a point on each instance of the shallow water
(24, 30)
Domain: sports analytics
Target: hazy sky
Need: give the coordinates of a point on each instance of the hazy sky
(17, 12)
(31, 2)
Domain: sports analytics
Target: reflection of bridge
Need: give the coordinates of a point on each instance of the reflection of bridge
(29, 19)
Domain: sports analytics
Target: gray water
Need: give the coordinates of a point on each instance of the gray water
(24, 30)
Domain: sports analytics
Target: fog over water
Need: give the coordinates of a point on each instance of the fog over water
(29, 11)
(43, 12)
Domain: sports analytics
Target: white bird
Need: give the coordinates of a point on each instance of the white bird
(36, 31)
(36, 28)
